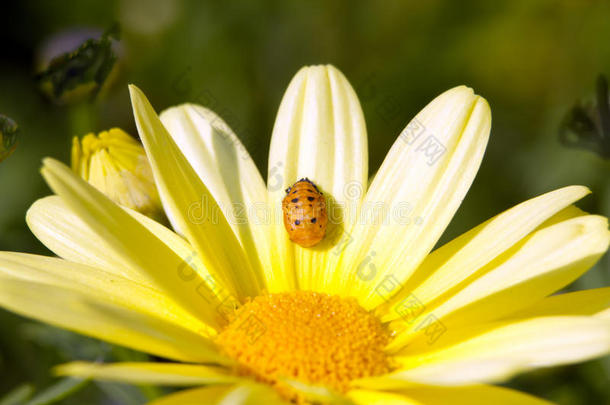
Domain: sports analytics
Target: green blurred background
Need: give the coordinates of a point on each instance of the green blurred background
(531, 59)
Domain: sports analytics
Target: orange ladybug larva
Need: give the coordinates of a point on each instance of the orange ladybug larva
(305, 215)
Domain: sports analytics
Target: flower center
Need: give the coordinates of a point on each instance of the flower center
(311, 337)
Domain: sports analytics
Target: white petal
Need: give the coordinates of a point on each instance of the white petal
(435, 395)
(468, 355)
(102, 305)
(225, 167)
(585, 302)
(416, 191)
(464, 257)
(135, 243)
(192, 205)
(541, 264)
(62, 231)
(320, 134)
(169, 374)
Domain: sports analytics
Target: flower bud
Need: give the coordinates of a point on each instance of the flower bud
(116, 164)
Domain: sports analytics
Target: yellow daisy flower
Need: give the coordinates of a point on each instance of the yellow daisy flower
(371, 315)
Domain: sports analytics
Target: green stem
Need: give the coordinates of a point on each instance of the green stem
(82, 118)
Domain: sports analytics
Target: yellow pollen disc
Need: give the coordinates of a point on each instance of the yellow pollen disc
(311, 337)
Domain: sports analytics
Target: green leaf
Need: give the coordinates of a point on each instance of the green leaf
(58, 391)
(18, 396)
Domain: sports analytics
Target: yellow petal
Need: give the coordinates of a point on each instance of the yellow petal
(191, 266)
(432, 395)
(320, 134)
(252, 394)
(453, 263)
(198, 396)
(101, 285)
(541, 264)
(223, 164)
(191, 205)
(117, 319)
(317, 393)
(369, 397)
(469, 355)
(61, 230)
(170, 374)
(415, 193)
(240, 394)
(586, 302)
(135, 243)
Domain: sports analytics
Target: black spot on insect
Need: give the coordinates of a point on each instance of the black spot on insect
(310, 198)
(310, 205)
(297, 222)
(295, 200)
(311, 182)
(313, 220)
(294, 191)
